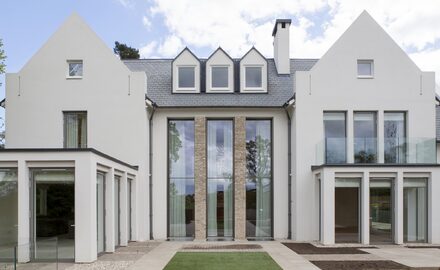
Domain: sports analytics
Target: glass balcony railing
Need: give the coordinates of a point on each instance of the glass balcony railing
(366, 150)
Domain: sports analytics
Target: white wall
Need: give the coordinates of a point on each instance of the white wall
(332, 84)
(112, 96)
(279, 123)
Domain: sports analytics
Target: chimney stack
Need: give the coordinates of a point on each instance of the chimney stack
(281, 46)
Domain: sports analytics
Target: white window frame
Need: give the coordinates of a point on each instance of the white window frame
(220, 89)
(186, 89)
(68, 68)
(254, 89)
(365, 61)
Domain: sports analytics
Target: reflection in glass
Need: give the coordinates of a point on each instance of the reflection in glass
(347, 193)
(394, 137)
(258, 179)
(54, 210)
(75, 129)
(220, 183)
(365, 137)
(335, 134)
(181, 178)
(253, 77)
(117, 211)
(8, 210)
(415, 210)
(100, 208)
(381, 206)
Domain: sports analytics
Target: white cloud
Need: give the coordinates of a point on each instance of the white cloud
(238, 25)
(146, 22)
(126, 3)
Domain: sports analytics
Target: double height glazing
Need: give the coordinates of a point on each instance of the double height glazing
(181, 179)
(220, 179)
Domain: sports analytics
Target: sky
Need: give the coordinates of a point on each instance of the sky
(162, 28)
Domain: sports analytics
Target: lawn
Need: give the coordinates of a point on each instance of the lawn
(221, 260)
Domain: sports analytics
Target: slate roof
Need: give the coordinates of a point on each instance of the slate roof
(159, 84)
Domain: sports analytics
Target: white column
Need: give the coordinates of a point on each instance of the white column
(328, 207)
(110, 211)
(24, 213)
(85, 210)
(365, 209)
(350, 134)
(380, 137)
(124, 210)
(398, 208)
(134, 216)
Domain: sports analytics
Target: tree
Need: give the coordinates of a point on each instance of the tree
(125, 52)
(2, 59)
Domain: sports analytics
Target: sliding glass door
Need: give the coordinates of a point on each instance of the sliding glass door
(100, 211)
(53, 214)
(181, 179)
(220, 201)
(395, 137)
(347, 210)
(259, 179)
(8, 212)
(365, 137)
(415, 210)
(381, 211)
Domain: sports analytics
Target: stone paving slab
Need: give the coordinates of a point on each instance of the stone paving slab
(159, 257)
(286, 258)
(419, 257)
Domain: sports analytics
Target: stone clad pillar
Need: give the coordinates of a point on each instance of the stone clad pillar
(240, 177)
(200, 177)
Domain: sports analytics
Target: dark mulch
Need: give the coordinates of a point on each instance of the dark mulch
(359, 265)
(306, 248)
(228, 247)
(423, 246)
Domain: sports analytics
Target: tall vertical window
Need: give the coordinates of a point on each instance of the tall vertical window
(8, 209)
(395, 137)
(415, 210)
(365, 137)
(258, 179)
(220, 179)
(335, 137)
(75, 129)
(181, 178)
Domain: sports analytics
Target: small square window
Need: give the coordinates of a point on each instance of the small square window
(186, 77)
(219, 77)
(253, 77)
(75, 68)
(365, 68)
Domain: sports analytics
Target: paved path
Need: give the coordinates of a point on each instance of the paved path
(285, 257)
(158, 257)
(412, 257)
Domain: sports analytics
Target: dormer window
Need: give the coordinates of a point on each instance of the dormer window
(219, 77)
(186, 77)
(253, 72)
(219, 72)
(186, 73)
(253, 77)
(75, 69)
(365, 69)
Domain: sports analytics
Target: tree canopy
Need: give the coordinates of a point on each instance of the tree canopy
(125, 52)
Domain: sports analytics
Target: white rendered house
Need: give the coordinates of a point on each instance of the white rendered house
(100, 152)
